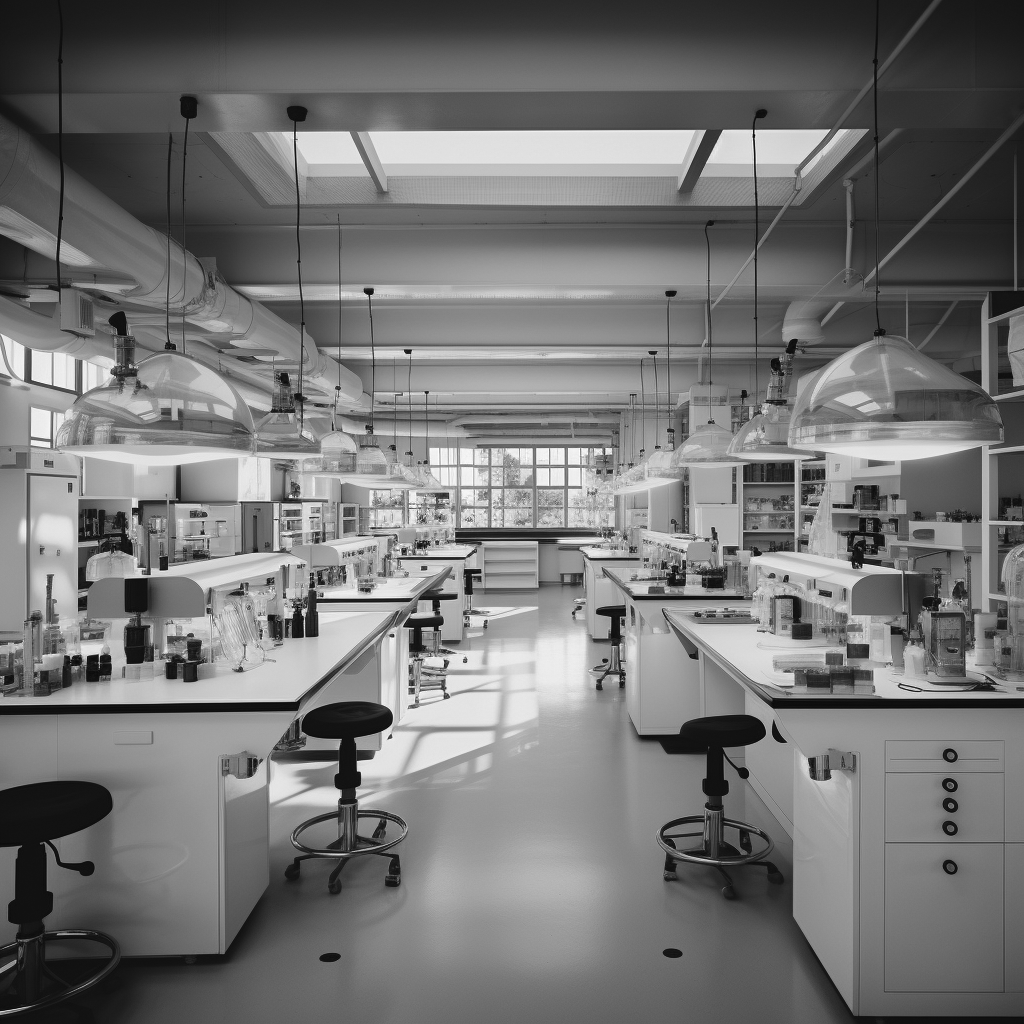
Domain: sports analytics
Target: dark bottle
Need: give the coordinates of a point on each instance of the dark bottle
(312, 616)
(297, 628)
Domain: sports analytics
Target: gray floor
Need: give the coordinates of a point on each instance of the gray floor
(532, 887)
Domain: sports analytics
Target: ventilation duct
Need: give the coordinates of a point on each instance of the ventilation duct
(105, 250)
(803, 321)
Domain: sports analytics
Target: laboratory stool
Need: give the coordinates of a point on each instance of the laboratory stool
(31, 816)
(578, 604)
(348, 721)
(468, 575)
(716, 733)
(423, 676)
(612, 665)
(435, 597)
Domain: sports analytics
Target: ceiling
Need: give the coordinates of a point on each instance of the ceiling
(516, 288)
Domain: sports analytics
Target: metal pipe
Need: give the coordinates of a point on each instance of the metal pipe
(797, 175)
(848, 272)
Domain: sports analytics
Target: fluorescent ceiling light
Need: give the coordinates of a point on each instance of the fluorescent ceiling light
(778, 152)
(654, 153)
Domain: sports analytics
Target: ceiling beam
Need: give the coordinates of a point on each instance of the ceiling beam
(370, 160)
(701, 146)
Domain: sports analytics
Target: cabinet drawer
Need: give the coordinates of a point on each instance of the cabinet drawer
(943, 755)
(943, 932)
(944, 807)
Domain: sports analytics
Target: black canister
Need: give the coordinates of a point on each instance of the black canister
(298, 627)
(190, 672)
(92, 668)
(312, 616)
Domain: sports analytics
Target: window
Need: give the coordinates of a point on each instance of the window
(14, 357)
(508, 488)
(387, 509)
(53, 369)
(43, 426)
(50, 369)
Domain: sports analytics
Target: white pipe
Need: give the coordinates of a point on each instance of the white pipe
(797, 175)
(97, 233)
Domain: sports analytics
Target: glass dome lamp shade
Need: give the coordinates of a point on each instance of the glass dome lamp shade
(338, 452)
(884, 400)
(280, 434)
(659, 471)
(765, 438)
(707, 446)
(167, 410)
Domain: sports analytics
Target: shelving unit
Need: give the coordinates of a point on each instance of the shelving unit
(511, 565)
(780, 524)
(996, 311)
(812, 485)
(348, 519)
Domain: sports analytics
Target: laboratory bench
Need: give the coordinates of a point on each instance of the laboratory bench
(184, 856)
(455, 558)
(662, 689)
(908, 870)
(598, 589)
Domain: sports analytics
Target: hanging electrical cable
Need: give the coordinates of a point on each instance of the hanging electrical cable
(297, 115)
(189, 107)
(670, 430)
(167, 300)
(884, 399)
(60, 138)
(758, 114)
(708, 444)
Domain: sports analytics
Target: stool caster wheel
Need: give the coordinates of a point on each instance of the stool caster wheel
(670, 865)
(292, 871)
(622, 684)
(485, 623)
(394, 876)
(774, 874)
(447, 695)
(465, 660)
(728, 892)
(745, 844)
(600, 685)
(334, 887)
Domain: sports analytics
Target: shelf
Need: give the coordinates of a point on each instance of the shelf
(771, 483)
(1009, 396)
(1005, 522)
(774, 533)
(1013, 449)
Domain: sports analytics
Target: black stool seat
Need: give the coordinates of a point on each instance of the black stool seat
(50, 810)
(613, 611)
(424, 620)
(438, 595)
(724, 730)
(347, 720)
(472, 574)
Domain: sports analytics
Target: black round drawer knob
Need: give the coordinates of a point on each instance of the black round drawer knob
(950, 785)
(950, 755)
(949, 827)
(949, 866)
(950, 805)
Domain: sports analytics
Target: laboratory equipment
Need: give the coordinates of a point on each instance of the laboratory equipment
(945, 644)
(1013, 584)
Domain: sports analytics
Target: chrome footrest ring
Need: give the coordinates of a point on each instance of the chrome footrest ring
(373, 846)
(696, 857)
(62, 935)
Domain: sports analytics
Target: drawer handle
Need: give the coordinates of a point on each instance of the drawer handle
(950, 805)
(950, 785)
(949, 827)
(950, 755)
(949, 866)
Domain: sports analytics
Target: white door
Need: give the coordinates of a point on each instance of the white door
(53, 542)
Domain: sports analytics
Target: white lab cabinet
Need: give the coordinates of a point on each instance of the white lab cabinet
(39, 524)
(598, 590)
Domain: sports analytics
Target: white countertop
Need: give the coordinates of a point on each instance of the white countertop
(640, 589)
(453, 551)
(610, 554)
(746, 655)
(388, 590)
(297, 670)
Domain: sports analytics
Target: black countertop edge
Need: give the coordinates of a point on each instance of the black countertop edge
(704, 595)
(153, 709)
(613, 556)
(908, 703)
(542, 533)
(439, 558)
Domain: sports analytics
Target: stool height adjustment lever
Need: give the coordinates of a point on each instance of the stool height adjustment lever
(85, 867)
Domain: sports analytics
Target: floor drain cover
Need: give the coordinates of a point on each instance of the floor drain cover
(330, 958)
(673, 954)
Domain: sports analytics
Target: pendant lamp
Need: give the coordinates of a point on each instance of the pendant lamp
(338, 449)
(167, 410)
(885, 400)
(280, 434)
(659, 470)
(430, 482)
(708, 445)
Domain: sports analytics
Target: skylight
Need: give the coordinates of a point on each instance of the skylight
(778, 152)
(462, 153)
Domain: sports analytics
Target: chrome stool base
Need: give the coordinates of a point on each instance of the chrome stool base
(578, 604)
(28, 975)
(610, 666)
(426, 677)
(713, 850)
(349, 843)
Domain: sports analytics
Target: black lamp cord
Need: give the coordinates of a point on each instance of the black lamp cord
(657, 397)
(337, 389)
(874, 77)
(757, 239)
(707, 242)
(373, 356)
(167, 303)
(184, 249)
(60, 134)
(643, 411)
(408, 352)
(299, 396)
